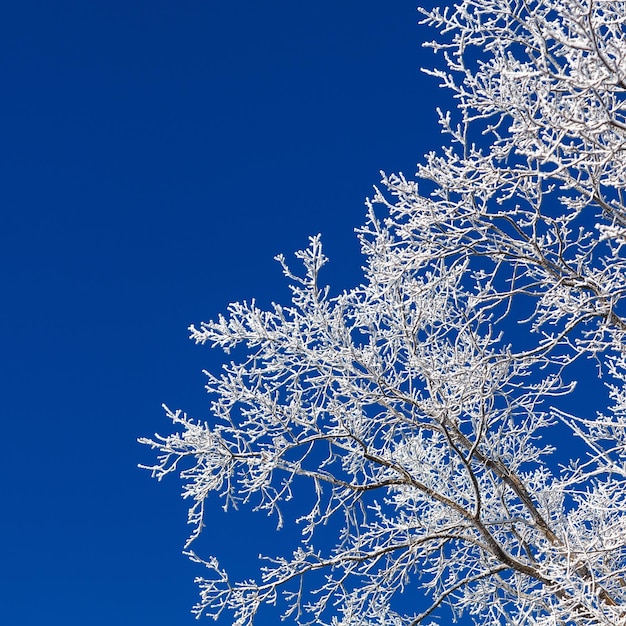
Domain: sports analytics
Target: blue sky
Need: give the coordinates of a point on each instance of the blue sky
(156, 155)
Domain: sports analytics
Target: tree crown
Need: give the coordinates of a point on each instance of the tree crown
(424, 405)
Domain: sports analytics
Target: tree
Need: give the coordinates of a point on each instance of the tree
(424, 406)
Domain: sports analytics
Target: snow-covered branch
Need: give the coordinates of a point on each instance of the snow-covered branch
(423, 407)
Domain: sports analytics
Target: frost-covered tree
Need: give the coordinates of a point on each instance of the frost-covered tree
(423, 407)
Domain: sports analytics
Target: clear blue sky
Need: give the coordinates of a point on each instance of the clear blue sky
(155, 156)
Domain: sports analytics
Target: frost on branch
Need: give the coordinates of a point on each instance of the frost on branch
(423, 407)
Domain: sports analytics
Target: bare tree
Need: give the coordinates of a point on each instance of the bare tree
(424, 406)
